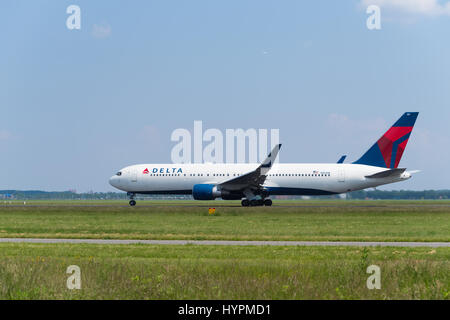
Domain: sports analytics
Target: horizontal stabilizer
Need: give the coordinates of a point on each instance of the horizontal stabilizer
(387, 173)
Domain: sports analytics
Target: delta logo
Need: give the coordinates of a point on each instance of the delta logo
(163, 170)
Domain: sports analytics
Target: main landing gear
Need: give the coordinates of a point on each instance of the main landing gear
(132, 201)
(256, 202)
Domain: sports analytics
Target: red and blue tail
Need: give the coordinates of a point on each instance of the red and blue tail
(388, 150)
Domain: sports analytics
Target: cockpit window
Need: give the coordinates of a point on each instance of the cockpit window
(119, 173)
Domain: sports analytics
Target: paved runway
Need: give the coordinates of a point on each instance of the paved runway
(277, 206)
(232, 243)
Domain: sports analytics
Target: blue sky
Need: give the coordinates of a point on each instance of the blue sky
(76, 105)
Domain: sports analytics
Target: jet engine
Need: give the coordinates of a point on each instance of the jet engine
(205, 192)
(210, 192)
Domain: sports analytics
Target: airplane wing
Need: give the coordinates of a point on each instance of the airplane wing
(253, 180)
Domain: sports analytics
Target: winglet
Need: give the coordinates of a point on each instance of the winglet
(341, 160)
(271, 157)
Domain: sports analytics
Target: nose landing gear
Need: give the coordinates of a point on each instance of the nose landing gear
(132, 201)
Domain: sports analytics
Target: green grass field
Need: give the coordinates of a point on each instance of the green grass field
(288, 220)
(38, 271)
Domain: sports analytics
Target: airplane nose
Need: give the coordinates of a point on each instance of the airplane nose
(114, 181)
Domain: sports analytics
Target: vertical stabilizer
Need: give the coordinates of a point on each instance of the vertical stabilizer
(388, 150)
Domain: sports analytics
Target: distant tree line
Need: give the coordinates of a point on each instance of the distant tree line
(59, 195)
(70, 195)
(400, 194)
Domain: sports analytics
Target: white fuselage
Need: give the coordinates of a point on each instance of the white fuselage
(286, 178)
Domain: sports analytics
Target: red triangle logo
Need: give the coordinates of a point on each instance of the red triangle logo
(145, 171)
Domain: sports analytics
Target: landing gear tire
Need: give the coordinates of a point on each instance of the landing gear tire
(267, 202)
(256, 202)
(132, 203)
(245, 203)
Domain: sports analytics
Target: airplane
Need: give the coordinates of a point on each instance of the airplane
(253, 184)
